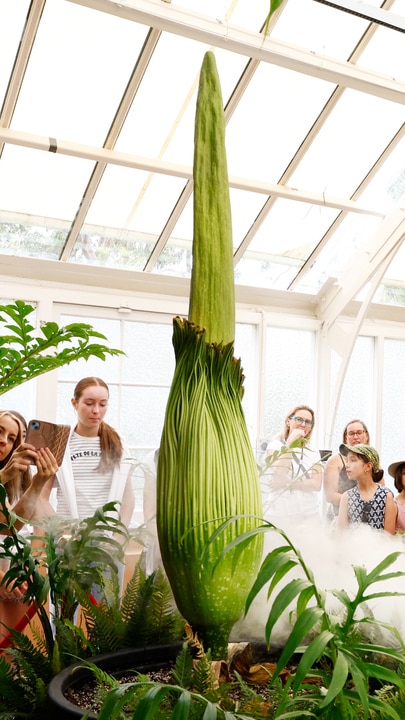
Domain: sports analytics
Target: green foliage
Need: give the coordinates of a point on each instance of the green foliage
(146, 614)
(391, 695)
(274, 5)
(25, 355)
(73, 557)
(22, 689)
(183, 669)
(194, 694)
(336, 652)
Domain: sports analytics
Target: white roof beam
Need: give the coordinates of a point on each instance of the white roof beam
(370, 264)
(168, 18)
(107, 155)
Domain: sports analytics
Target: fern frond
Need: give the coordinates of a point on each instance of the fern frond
(182, 672)
(28, 659)
(148, 610)
(130, 596)
(193, 641)
(21, 691)
(104, 625)
(203, 676)
(102, 677)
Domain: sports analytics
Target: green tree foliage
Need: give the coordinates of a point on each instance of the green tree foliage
(25, 354)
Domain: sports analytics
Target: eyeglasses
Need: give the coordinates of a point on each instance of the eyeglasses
(353, 433)
(366, 512)
(300, 420)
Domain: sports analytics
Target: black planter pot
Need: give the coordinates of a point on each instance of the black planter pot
(116, 663)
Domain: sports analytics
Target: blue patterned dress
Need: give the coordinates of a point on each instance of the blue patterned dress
(371, 512)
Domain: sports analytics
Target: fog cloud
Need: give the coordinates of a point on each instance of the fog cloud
(331, 555)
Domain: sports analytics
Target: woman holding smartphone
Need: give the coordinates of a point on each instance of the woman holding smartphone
(25, 495)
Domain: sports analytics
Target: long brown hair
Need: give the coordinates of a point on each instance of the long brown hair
(285, 431)
(15, 488)
(110, 441)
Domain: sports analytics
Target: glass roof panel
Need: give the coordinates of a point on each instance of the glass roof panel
(386, 47)
(245, 207)
(352, 234)
(159, 101)
(12, 18)
(78, 70)
(348, 144)
(287, 236)
(275, 272)
(319, 28)
(102, 247)
(261, 144)
(388, 186)
(120, 199)
(27, 236)
(96, 85)
(39, 183)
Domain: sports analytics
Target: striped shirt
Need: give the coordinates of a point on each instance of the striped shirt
(92, 486)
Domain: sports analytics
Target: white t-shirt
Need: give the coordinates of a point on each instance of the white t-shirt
(92, 486)
(292, 502)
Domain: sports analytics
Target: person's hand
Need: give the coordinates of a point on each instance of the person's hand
(46, 466)
(19, 462)
(8, 593)
(278, 482)
(296, 434)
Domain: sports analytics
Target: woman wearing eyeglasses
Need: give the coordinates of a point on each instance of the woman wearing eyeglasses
(292, 484)
(368, 502)
(336, 480)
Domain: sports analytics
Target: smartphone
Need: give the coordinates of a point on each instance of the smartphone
(42, 434)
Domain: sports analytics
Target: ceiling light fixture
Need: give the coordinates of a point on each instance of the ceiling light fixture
(373, 14)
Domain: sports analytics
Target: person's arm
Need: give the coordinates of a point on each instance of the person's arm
(331, 479)
(391, 511)
(308, 478)
(31, 506)
(313, 482)
(343, 518)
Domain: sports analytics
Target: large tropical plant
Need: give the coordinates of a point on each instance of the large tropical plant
(206, 467)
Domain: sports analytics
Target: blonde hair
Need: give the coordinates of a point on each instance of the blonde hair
(15, 488)
(283, 435)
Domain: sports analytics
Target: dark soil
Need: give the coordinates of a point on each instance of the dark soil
(89, 695)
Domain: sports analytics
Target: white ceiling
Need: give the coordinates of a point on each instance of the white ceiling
(96, 139)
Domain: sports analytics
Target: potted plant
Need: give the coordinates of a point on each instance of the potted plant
(208, 500)
(70, 558)
(333, 665)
